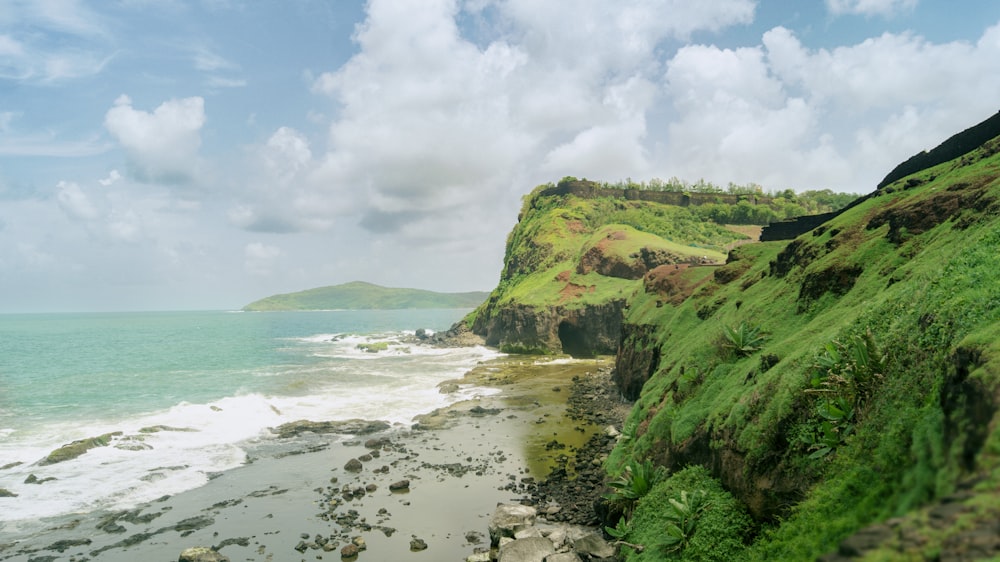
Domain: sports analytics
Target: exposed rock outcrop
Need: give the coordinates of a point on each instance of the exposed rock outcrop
(578, 331)
(637, 359)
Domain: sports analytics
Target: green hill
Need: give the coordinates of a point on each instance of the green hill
(830, 397)
(358, 295)
(577, 254)
(842, 386)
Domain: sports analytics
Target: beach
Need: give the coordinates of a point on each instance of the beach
(423, 491)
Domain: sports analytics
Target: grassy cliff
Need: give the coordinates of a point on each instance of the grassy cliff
(358, 295)
(841, 388)
(572, 261)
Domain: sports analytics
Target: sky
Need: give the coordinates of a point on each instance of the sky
(202, 154)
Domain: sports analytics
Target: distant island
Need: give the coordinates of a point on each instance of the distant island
(359, 295)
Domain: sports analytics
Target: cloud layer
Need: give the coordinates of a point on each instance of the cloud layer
(216, 158)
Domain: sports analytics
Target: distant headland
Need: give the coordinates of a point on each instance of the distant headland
(358, 295)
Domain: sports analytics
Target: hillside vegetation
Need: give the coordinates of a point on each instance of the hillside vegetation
(832, 397)
(358, 295)
(843, 387)
(572, 261)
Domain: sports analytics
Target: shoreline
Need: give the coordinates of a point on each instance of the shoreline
(302, 500)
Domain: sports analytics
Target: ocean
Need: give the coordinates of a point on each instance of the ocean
(193, 393)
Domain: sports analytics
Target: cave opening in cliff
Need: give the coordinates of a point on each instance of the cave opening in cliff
(574, 340)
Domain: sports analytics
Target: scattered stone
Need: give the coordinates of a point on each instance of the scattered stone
(67, 544)
(564, 557)
(480, 411)
(594, 546)
(474, 537)
(399, 486)
(354, 465)
(360, 543)
(202, 554)
(193, 523)
(416, 545)
(508, 518)
(349, 551)
(32, 479)
(533, 549)
(377, 443)
(11, 465)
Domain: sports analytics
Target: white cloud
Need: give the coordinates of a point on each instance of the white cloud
(259, 258)
(784, 115)
(870, 7)
(65, 16)
(162, 145)
(74, 202)
(430, 121)
(287, 152)
(52, 40)
(10, 47)
(6, 117)
(208, 61)
(125, 225)
(113, 176)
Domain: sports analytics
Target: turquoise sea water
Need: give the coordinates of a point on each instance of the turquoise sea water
(223, 378)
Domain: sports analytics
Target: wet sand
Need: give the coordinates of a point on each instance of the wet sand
(296, 500)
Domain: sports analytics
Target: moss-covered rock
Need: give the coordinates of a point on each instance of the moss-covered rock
(77, 448)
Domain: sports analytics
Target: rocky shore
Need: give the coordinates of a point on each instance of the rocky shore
(362, 490)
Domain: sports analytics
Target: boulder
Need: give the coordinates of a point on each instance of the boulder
(564, 557)
(77, 448)
(594, 545)
(345, 427)
(354, 465)
(400, 486)
(201, 554)
(508, 519)
(533, 549)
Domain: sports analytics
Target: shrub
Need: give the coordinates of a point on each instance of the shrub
(744, 339)
(636, 481)
(713, 523)
(843, 379)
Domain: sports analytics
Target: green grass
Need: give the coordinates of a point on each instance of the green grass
(929, 295)
(717, 531)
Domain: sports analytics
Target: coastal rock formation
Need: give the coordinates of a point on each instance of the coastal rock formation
(201, 554)
(77, 448)
(575, 257)
(578, 331)
(637, 359)
(520, 535)
(345, 427)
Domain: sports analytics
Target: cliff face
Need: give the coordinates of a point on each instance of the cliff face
(574, 259)
(844, 386)
(580, 332)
